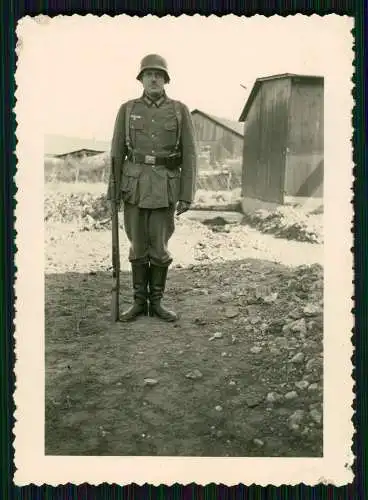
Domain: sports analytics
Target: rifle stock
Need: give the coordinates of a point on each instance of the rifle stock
(115, 243)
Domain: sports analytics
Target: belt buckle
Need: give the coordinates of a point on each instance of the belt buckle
(150, 160)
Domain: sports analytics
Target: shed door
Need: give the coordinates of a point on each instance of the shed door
(273, 140)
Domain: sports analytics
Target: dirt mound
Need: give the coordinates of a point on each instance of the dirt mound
(289, 223)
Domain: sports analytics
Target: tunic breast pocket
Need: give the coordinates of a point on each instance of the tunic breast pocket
(170, 131)
(137, 127)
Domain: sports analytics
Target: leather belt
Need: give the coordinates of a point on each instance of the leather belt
(166, 161)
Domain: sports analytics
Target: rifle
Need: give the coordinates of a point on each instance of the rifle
(115, 242)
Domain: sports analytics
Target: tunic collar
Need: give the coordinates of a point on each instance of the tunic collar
(157, 103)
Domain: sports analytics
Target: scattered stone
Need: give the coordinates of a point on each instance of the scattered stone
(281, 342)
(274, 350)
(295, 419)
(252, 310)
(258, 442)
(253, 399)
(276, 325)
(256, 349)
(218, 408)
(231, 312)
(263, 327)
(313, 387)
(316, 415)
(295, 314)
(194, 375)
(311, 310)
(313, 364)
(303, 384)
(291, 395)
(223, 354)
(219, 434)
(287, 328)
(270, 299)
(311, 324)
(150, 381)
(299, 326)
(298, 358)
(225, 297)
(200, 321)
(217, 335)
(273, 397)
(232, 382)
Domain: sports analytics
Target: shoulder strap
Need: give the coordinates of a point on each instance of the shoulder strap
(128, 111)
(179, 120)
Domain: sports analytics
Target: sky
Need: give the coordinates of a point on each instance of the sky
(87, 65)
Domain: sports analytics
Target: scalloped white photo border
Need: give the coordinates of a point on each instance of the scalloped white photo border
(32, 466)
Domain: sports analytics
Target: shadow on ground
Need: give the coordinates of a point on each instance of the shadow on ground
(96, 399)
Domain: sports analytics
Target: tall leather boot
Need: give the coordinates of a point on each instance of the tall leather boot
(140, 275)
(157, 283)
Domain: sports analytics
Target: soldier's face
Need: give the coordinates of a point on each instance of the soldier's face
(153, 81)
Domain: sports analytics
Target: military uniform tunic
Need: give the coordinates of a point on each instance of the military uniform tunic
(150, 192)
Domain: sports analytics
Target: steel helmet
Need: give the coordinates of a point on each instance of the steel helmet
(154, 61)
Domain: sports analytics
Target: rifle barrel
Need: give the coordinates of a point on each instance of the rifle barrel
(115, 248)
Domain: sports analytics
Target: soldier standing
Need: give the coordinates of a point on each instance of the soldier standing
(154, 148)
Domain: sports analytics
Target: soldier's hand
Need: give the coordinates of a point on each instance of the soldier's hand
(183, 206)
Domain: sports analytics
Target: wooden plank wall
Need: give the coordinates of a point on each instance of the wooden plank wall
(265, 136)
(305, 154)
(223, 143)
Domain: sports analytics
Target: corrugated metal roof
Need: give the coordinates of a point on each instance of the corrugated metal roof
(259, 82)
(232, 125)
(56, 145)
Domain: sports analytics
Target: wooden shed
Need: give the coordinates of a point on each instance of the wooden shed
(74, 159)
(222, 138)
(59, 146)
(283, 138)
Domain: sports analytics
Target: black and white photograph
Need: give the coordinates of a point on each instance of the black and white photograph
(185, 187)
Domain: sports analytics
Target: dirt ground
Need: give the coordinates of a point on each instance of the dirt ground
(240, 373)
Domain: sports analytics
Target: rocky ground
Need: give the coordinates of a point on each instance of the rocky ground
(240, 373)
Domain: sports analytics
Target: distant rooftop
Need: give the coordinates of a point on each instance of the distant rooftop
(232, 125)
(259, 81)
(58, 145)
